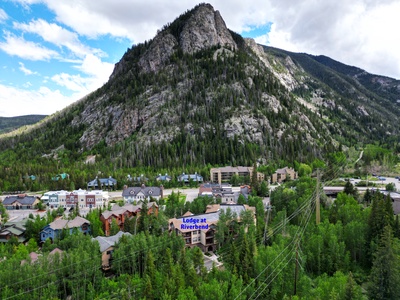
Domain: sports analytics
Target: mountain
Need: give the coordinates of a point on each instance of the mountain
(199, 93)
(8, 124)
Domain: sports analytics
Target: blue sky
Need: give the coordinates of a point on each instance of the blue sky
(53, 53)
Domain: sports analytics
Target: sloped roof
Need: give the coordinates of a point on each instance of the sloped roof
(106, 242)
(56, 250)
(23, 199)
(163, 177)
(284, 170)
(61, 223)
(104, 181)
(187, 177)
(119, 210)
(148, 191)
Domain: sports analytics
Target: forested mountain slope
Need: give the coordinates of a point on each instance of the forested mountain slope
(199, 93)
(8, 124)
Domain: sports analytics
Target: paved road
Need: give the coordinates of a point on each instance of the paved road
(384, 182)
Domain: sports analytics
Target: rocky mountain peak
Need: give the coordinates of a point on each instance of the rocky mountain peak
(200, 28)
(204, 29)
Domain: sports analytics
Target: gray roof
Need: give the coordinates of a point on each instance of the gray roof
(23, 199)
(104, 181)
(187, 177)
(163, 177)
(110, 241)
(60, 223)
(148, 191)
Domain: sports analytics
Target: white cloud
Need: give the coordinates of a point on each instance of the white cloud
(18, 46)
(53, 33)
(358, 33)
(72, 82)
(98, 73)
(25, 70)
(41, 101)
(3, 15)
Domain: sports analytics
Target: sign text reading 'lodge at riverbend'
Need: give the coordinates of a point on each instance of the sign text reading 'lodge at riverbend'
(197, 223)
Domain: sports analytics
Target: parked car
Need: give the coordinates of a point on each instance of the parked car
(381, 178)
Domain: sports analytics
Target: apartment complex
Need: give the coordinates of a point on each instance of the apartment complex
(199, 230)
(122, 213)
(225, 174)
(284, 174)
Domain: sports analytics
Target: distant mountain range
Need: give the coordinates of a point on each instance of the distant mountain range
(8, 124)
(199, 93)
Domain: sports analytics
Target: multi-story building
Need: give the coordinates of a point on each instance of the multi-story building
(199, 230)
(82, 198)
(225, 174)
(122, 213)
(284, 174)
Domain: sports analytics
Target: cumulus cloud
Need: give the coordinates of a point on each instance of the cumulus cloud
(97, 73)
(57, 35)
(18, 46)
(41, 101)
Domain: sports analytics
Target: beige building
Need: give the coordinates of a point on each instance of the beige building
(225, 173)
(199, 230)
(283, 174)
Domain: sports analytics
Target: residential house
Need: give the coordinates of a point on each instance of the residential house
(107, 247)
(21, 201)
(199, 230)
(225, 174)
(138, 180)
(138, 194)
(165, 178)
(122, 213)
(186, 178)
(54, 229)
(284, 174)
(224, 192)
(13, 228)
(100, 183)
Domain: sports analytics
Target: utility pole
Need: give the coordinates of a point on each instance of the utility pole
(296, 269)
(266, 224)
(317, 206)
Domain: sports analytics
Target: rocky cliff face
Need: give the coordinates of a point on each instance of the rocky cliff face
(203, 29)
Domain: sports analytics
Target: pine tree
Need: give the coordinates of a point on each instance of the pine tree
(384, 280)
(255, 186)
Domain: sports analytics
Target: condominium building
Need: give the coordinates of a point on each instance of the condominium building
(225, 174)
